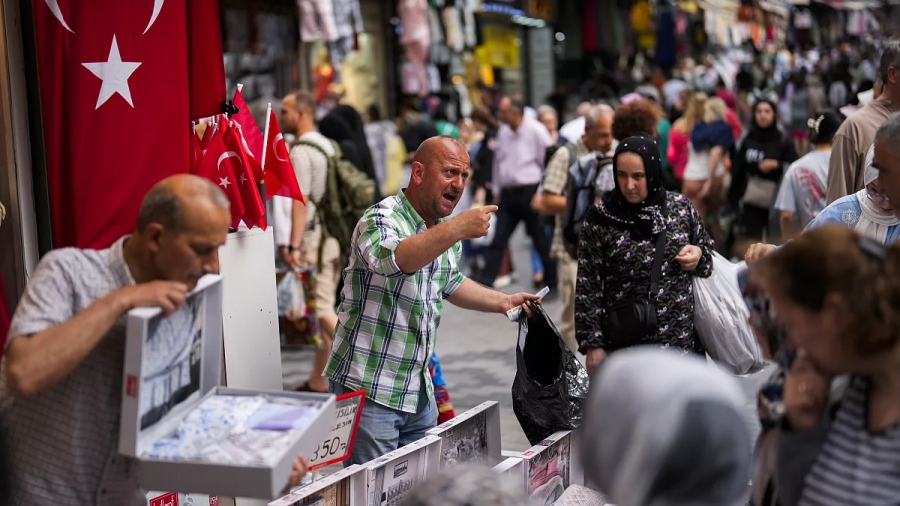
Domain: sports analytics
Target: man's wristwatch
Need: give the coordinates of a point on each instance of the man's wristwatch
(291, 248)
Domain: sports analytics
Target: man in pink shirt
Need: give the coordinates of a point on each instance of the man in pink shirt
(519, 151)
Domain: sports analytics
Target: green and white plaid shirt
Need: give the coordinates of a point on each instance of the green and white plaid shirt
(388, 320)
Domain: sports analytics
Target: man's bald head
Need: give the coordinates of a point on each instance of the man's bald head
(438, 178)
(172, 199)
(436, 148)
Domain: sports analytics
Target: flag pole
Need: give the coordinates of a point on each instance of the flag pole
(266, 135)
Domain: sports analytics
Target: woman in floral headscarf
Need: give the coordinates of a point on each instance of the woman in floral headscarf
(616, 256)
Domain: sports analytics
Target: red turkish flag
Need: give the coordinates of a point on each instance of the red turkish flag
(105, 66)
(249, 128)
(207, 134)
(207, 67)
(254, 210)
(281, 179)
(218, 165)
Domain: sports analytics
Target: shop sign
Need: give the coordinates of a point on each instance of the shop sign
(504, 7)
(500, 48)
(338, 444)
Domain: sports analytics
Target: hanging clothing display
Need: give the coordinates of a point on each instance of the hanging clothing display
(338, 51)
(416, 40)
(317, 21)
(455, 38)
(665, 38)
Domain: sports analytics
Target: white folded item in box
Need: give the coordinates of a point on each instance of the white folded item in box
(235, 430)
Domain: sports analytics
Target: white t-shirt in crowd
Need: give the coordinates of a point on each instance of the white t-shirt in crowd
(803, 187)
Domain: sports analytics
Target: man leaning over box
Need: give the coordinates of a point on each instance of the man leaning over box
(404, 262)
(61, 376)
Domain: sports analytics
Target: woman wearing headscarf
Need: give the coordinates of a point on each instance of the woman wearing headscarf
(616, 253)
(355, 133)
(666, 430)
(759, 165)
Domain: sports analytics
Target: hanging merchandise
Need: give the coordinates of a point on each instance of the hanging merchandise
(453, 28)
(642, 24)
(470, 28)
(323, 74)
(317, 21)
(665, 38)
(348, 24)
(416, 41)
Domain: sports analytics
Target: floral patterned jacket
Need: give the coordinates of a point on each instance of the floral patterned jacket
(614, 265)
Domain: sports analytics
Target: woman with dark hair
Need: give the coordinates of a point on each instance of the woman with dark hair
(617, 264)
(764, 154)
(802, 194)
(355, 133)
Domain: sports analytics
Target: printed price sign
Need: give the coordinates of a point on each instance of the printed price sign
(338, 444)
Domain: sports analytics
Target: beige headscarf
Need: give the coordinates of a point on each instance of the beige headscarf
(873, 221)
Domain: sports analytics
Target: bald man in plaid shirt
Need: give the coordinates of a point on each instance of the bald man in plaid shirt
(404, 262)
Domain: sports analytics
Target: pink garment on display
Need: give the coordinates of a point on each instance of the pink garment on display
(416, 38)
(317, 21)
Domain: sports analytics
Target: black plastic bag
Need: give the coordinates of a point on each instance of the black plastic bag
(550, 386)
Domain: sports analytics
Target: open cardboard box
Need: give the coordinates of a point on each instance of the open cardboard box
(189, 343)
(473, 436)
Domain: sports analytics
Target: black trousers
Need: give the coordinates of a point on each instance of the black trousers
(515, 206)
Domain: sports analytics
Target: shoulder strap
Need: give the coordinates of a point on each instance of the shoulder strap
(659, 253)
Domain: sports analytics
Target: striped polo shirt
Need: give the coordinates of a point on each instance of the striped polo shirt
(62, 443)
(855, 467)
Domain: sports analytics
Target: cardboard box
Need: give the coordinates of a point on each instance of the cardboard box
(344, 488)
(393, 475)
(473, 436)
(552, 466)
(188, 344)
(513, 469)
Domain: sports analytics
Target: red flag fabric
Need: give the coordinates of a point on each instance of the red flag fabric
(249, 128)
(255, 165)
(281, 179)
(218, 165)
(207, 67)
(207, 134)
(105, 66)
(196, 153)
(254, 210)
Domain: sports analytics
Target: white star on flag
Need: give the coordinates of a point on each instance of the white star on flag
(243, 178)
(224, 182)
(114, 73)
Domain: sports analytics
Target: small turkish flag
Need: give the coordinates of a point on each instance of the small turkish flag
(281, 180)
(217, 165)
(249, 128)
(196, 153)
(254, 210)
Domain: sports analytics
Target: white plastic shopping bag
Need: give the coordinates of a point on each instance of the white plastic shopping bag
(291, 297)
(722, 319)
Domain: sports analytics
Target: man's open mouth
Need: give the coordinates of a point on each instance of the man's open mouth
(449, 197)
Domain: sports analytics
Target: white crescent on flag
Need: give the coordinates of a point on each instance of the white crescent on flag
(278, 137)
(54, 8)
(225, 155)
(157, 6)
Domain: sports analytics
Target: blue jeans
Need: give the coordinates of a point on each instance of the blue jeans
(382, 429)
(536, 265)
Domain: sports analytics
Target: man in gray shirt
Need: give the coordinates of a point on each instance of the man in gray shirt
(61, 375)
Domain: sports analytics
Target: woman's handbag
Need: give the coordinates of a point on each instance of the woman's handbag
(631, 322)
(760, 192)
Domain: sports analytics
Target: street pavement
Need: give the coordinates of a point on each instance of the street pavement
(478, 356)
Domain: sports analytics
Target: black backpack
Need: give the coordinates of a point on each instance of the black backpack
(580, 196)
